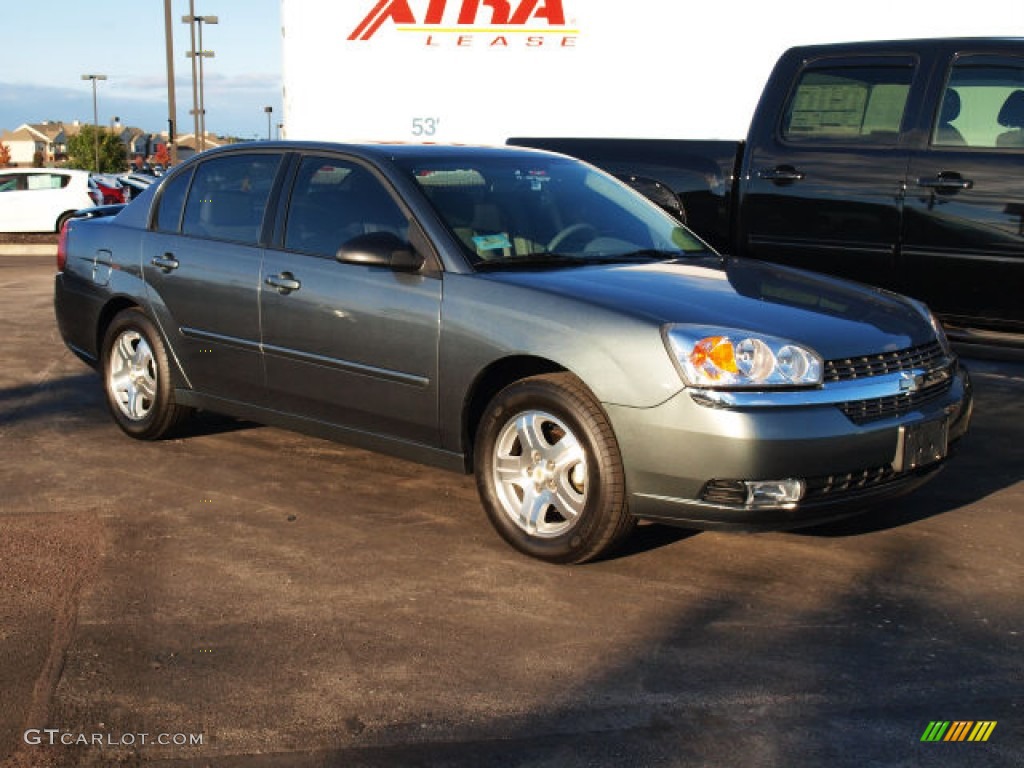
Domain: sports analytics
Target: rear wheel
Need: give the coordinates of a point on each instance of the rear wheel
(549, 471)
(63, 219)
(137, 378)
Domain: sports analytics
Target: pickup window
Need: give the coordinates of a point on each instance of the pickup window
(983, 104)
(850, 104)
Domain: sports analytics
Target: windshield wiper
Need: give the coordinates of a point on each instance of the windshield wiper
(530, 261)
(641, 255)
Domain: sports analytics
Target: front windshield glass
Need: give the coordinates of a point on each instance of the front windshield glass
(535, 211)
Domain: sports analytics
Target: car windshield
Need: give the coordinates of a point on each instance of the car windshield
(531, 212)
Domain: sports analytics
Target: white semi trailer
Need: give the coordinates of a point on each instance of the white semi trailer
(480, 71)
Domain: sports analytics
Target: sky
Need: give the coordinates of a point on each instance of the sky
(48, 46)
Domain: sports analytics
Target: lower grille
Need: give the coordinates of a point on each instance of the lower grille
(833, 485)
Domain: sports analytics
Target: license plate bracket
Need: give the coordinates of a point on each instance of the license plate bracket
(919, 445)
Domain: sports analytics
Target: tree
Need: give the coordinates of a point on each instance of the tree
(162, 156)
(5, 155)
(82, 151)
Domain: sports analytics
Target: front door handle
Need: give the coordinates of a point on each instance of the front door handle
(285, 283)
(781, 174)
(946, 182)
(167, 262)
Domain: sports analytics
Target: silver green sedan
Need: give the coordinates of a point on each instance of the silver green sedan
(515, 314)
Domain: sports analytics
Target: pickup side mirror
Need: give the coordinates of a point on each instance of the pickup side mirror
(381, 249)
(658, 193)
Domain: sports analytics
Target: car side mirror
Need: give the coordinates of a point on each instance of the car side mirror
(381, 249)
(658, 193)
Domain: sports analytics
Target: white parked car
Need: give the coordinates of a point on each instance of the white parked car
(42, 199)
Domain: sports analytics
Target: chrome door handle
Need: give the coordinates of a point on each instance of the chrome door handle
(947, 182)
(167, 262)
(782, 174)
(285, 283)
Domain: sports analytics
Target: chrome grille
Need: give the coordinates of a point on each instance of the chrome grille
(926, 356)
(864, 411)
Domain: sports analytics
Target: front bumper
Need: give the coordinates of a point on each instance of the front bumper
(674, 453)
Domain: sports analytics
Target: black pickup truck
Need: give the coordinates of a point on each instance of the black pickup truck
(899, 164)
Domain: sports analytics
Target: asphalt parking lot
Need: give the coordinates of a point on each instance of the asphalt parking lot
(243, 596)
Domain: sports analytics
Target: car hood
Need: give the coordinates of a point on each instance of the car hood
(836, 317)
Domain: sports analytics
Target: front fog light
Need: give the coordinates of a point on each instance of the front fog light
(774, 493)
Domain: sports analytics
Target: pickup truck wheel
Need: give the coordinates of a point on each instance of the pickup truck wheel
(137, 379)
(549, 471)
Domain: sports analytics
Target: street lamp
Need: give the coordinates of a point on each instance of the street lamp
(269, 111)
(198, 105)
(95, 115)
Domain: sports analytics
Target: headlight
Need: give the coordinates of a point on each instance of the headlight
(933, 321)
(728, 358)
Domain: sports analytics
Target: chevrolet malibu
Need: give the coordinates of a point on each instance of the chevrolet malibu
(515, 314)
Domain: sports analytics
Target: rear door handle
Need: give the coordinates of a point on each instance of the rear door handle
(167, 262)
(946, 182)
(285, 283)
(781, 174)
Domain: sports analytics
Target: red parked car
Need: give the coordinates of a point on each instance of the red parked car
(112, 191)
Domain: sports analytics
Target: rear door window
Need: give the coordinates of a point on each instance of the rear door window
(848, 103)
(229, 196)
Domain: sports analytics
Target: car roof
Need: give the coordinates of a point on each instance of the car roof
(28, 171)
(385, 151)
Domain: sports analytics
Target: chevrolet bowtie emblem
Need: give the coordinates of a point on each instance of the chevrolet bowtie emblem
(910, 382)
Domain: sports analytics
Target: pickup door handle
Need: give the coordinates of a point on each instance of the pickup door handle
(285, 283)
(947, 182)
(781, 174)
(167, 262)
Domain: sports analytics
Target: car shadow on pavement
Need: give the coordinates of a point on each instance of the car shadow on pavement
(207, 423)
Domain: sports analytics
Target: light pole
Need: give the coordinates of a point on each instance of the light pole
(198, 104)
(95, 115)
(269, 111)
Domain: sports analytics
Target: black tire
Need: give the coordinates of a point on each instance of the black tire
(63, 219)
(563, 500)
(137, 378)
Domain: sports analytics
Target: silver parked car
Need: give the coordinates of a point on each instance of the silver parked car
(513, 313)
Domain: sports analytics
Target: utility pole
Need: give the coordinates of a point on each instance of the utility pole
(172, 108)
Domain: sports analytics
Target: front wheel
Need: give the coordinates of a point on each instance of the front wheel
(549, 471)
(137, 378)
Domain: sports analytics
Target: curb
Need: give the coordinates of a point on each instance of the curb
(28, 250)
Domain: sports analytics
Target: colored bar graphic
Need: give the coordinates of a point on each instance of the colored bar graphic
(982, 731)
(958, 730)
(935, 731)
